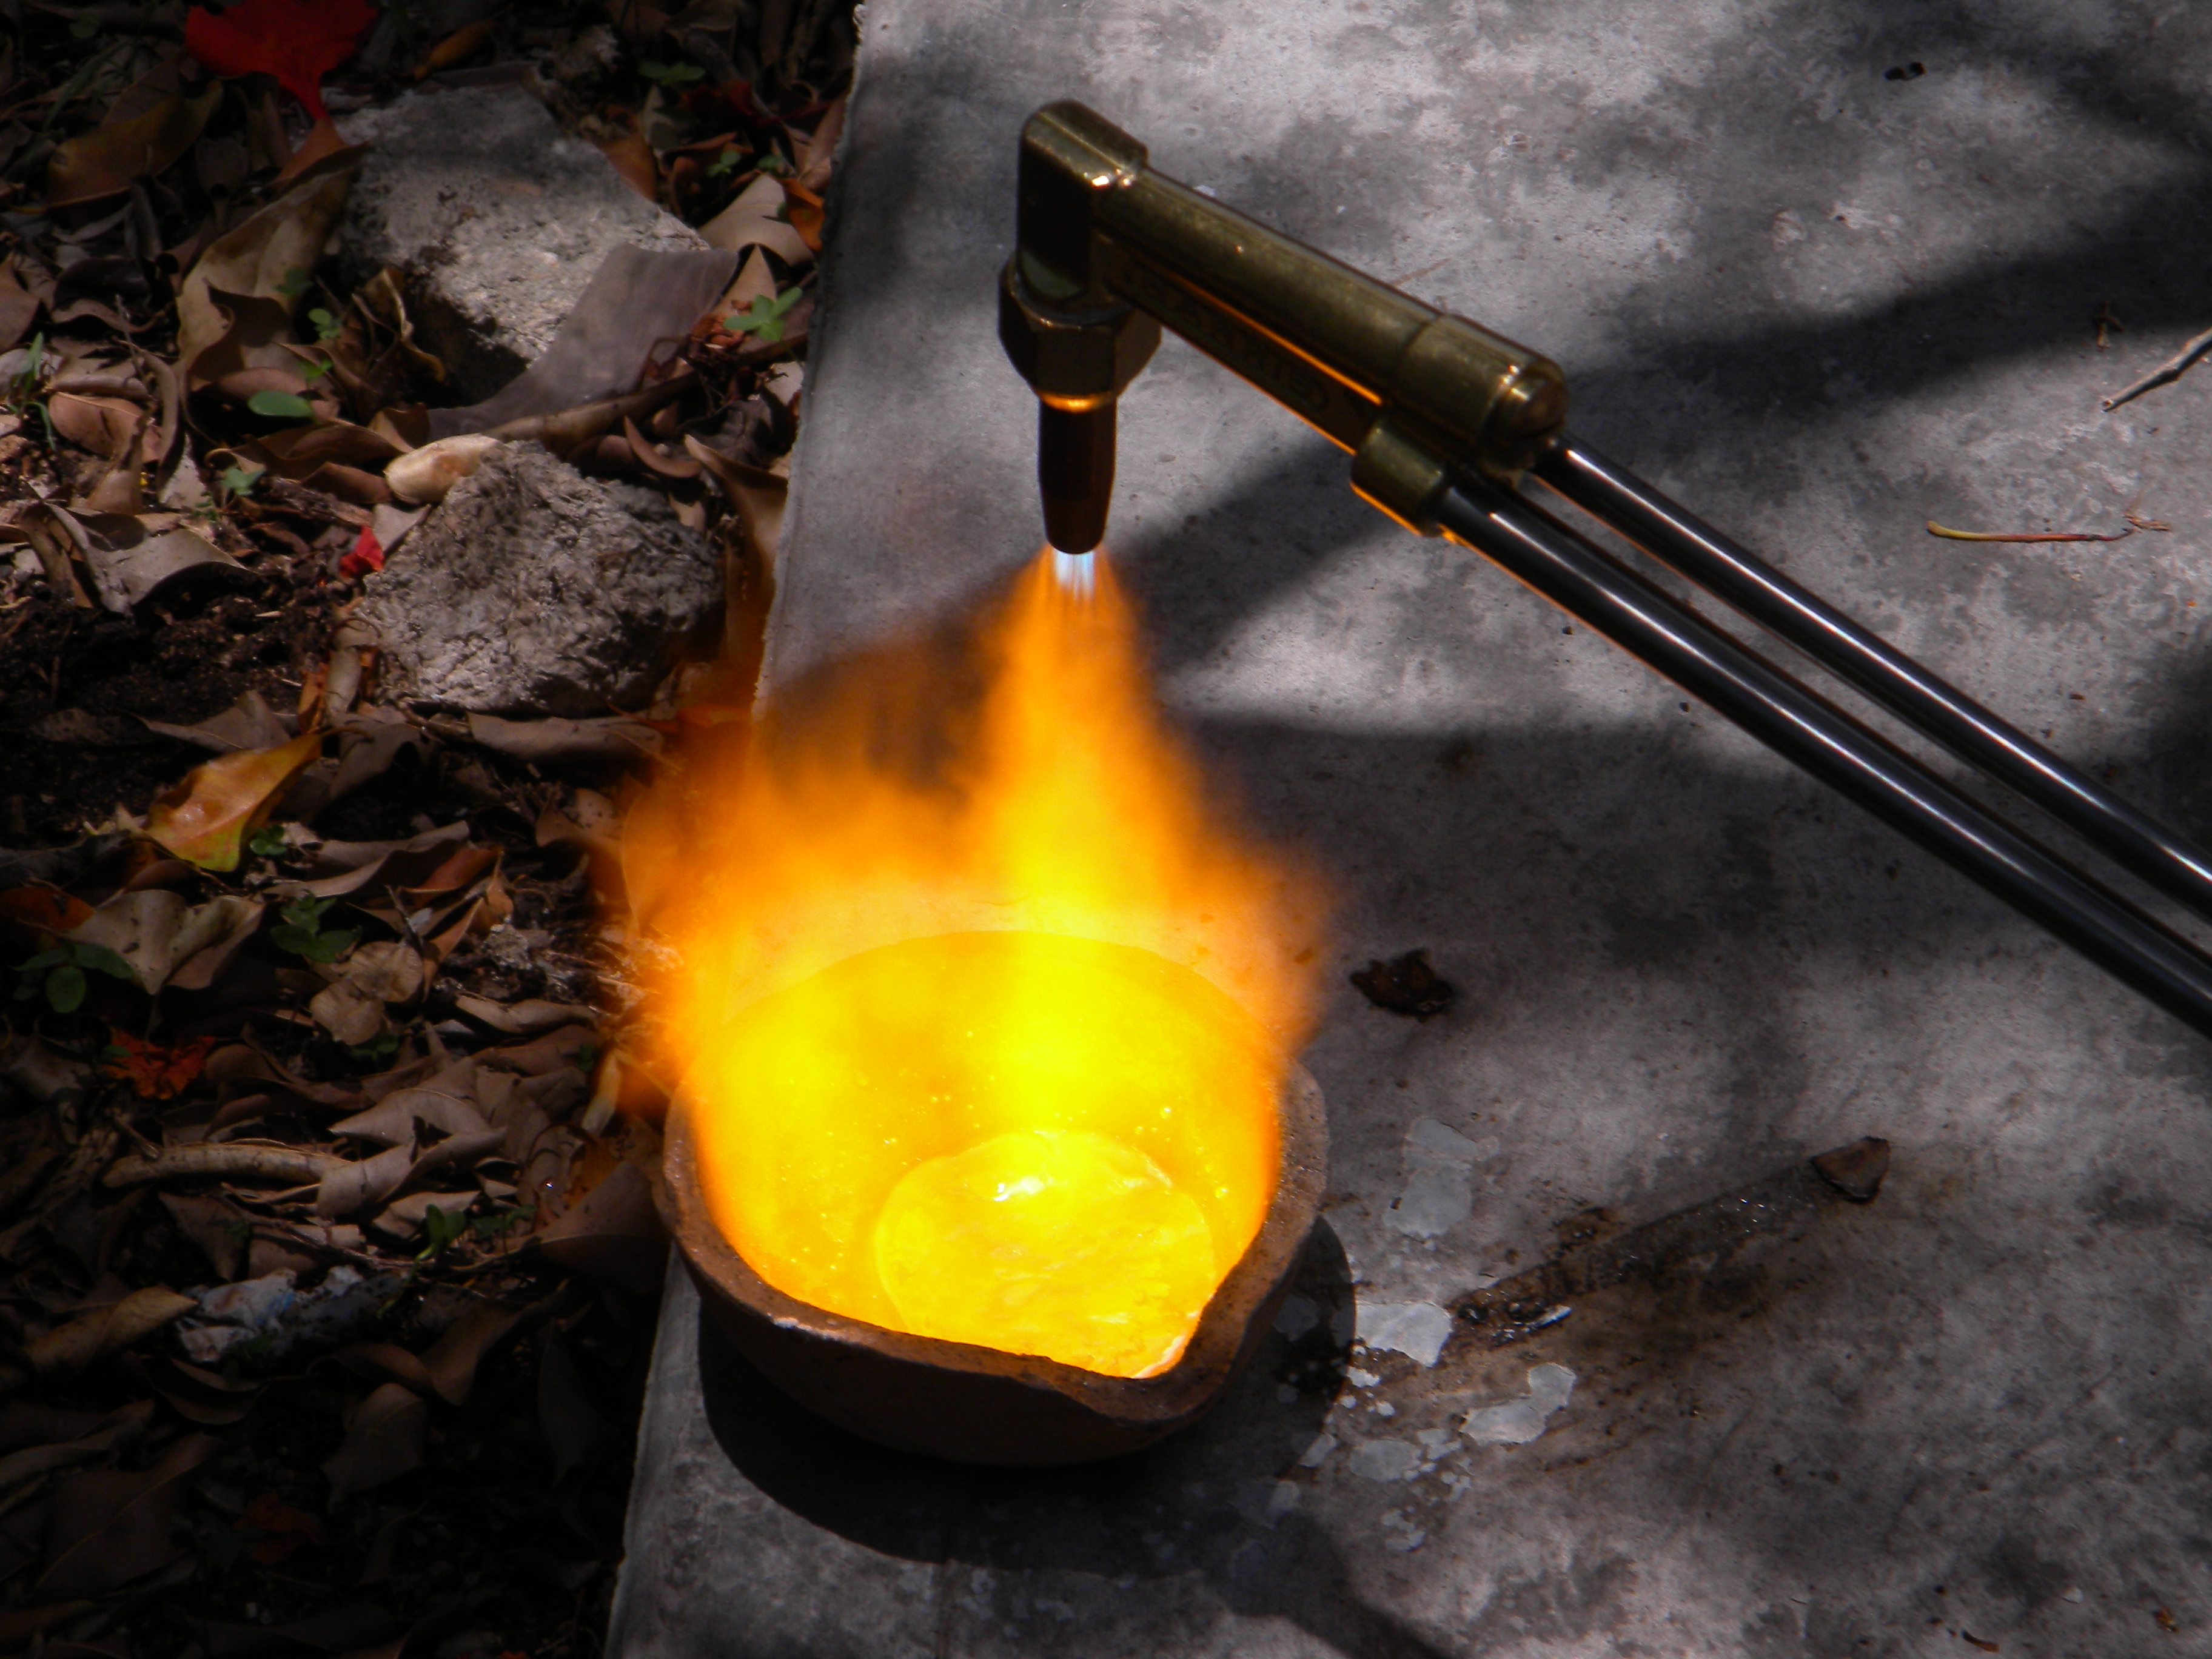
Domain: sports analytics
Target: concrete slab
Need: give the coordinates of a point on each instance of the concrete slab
(1824, 304)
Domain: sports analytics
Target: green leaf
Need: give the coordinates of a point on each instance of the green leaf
(726, 162)
(66, 989)
(241, 480)
(672, 74)
(288, 405)
(84, 28)
(314, 372)
(44, 960)
(771, 162)
(764, 317)
(268, 842)
(295, 283)
(307, 912)
(327, 327)
(101, 959)
(443, 1227)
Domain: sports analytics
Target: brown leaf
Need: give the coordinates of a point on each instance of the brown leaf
(216, 1225)
(386, 1437)
(523, 1018)
(67, 1349)
(451, 1362)
(101, 425)
(756, 219)
(207, 817)
(615, 1234)
(154, 931)
(116, 1429)
(600, 743)
(19, 307)
(351, 1188)
(252, 262)
(633, 158)
(107, 1527)
(573, 1430)
(249, 723)
(104, 161)
(391, 1120)
(348, 1013)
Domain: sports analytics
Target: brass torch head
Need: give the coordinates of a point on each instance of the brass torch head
(1077, 345)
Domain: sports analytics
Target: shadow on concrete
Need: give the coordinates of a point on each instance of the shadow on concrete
(1198, 1502)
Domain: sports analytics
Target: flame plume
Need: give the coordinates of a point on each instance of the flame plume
(981, 1005)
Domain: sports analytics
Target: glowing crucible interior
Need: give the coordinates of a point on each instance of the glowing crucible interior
(1030, 1142)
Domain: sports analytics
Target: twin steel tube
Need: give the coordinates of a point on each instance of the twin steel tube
(1679, 539)
(1803, 728)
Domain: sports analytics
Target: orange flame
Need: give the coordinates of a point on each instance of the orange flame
(981, 1008)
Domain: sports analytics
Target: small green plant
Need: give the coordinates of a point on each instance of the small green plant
(295, 283)
(771, 162)
(764, 316)
(726, 163)
(371, 1054)
(442, 1229)
(240, 480)
(289, 406)
(302, 933)
(672, 76)
(327, 326)
(502, 1222)
(84, 28)
(269, 842)
(58, 974)
(23, 385)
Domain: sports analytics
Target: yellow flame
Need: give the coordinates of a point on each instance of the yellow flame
(981, 1009)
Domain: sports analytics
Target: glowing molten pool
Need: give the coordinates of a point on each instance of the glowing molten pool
(981, 1013)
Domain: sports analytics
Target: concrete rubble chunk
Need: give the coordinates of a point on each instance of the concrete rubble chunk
(535, 590)
(498, 217)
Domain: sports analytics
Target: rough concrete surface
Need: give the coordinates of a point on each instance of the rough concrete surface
(1823, 305)
(535, 590)
(498, 217)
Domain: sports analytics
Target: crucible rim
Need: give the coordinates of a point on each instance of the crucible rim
(1128, 1411)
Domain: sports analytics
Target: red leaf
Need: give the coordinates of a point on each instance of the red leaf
(156, 1072)
(298, 41)
(367, 555)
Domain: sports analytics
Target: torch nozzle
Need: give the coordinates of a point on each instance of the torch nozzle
(1075, 472)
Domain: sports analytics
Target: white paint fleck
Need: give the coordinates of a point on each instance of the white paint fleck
(1360, 1379)
(1384, 1459)
(1417, 1329)
(1517, 1422)
(1317, 1454)
(1440, 1179)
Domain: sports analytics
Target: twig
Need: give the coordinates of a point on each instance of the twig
(223, 1160)
(566, 428)
(2171, 369)
(1934, 529)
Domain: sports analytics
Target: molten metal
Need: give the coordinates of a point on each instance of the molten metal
(982, 1014)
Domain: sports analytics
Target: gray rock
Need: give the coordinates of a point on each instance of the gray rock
(499, 218)
(536, 590)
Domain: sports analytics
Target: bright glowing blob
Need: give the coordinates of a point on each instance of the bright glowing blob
(949, 912)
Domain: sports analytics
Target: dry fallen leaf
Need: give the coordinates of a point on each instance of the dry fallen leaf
(206, 818)
(756, 218)
(68, 1348)
(107, 1527)
(231, 309)
(104, 161)
(386, 1435)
